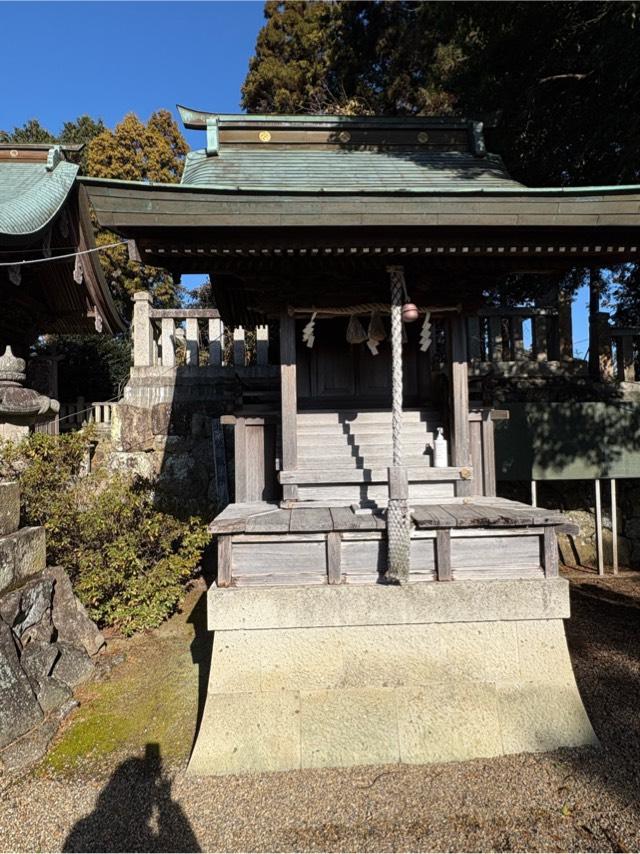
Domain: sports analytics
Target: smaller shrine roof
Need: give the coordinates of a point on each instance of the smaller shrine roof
(341, 154)
(35, 182)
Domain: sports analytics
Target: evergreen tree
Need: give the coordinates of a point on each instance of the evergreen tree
(563, 80)
(135, 151)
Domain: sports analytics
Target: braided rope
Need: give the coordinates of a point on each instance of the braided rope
(367, 308)
(398, 531)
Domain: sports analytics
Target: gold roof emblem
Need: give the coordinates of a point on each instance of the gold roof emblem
(264, 136)
(423, 136)
(344, 136)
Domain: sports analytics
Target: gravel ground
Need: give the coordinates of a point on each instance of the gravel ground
(571, 800)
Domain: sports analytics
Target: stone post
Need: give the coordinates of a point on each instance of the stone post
(142, 330)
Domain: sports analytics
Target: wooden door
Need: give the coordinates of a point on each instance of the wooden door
(336, 374)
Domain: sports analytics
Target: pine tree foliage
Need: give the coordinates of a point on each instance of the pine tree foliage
(135, 151)
(562, 80)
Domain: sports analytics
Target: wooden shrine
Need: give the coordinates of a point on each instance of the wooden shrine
(338, 231)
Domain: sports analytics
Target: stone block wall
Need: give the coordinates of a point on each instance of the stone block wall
(47, 641)
(173, 445)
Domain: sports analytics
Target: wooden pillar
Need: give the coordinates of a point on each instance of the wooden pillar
(224, 560)
(488, 455)
(460, 400)
(142, 330)
(289, 400)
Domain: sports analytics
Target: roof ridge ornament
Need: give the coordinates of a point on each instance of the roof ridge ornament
(213, 137)
(477, 139)
(54, 157)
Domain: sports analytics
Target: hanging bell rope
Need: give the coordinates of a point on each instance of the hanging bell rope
(398, 527)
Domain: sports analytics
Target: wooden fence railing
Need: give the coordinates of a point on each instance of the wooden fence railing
(160, 339)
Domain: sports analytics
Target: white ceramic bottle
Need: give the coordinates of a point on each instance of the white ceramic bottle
(440, 452)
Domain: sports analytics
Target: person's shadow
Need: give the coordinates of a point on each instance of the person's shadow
(135, 812)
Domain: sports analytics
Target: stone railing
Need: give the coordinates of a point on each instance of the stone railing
(73, 416)
(620, 355)
(160, 339)
(499, 342)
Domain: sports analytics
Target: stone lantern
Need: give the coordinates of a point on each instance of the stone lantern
(20, 407)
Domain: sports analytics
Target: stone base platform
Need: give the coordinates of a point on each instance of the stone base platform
(310, 677)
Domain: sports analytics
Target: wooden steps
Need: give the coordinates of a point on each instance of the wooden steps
(342, 447)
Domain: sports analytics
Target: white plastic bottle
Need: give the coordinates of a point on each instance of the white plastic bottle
(440, 451)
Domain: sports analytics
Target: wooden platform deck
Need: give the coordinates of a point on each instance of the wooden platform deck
(481, 538)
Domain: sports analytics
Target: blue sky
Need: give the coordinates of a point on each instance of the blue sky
(65, 59)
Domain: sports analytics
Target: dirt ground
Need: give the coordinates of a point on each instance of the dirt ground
(114, 779)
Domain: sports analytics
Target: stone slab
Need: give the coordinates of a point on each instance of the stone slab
(23, 554)
(359, 605)
(9, 507)
(415, 693)
(31, 551)
(447, 722)
(348, 727)
(254, 732)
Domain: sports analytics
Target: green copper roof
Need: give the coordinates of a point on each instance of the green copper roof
(341, 154)
(344, 170)
(32, 193)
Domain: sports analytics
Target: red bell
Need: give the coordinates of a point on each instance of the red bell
(409, 312)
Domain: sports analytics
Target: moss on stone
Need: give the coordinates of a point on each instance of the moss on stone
(152, 697)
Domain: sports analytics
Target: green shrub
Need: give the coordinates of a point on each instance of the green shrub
(127, 561)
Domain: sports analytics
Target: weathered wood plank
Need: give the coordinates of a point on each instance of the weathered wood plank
(240, 460)
(224, 561)
(344, 519)
(220, 461)
(432, 516)
(334, 557)
(275, 522)
(550, 545)
(365, 475)
(233, 518)
(443, 555)
(460, 401)
(289, 400)
(312, 519)
(488, 454)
